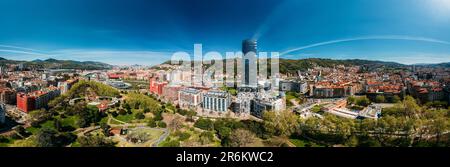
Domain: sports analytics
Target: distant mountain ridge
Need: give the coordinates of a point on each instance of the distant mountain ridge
(59, 64)
(286, 65)
(294, 65)
(437, 65)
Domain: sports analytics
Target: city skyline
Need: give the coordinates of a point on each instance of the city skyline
(148, 33)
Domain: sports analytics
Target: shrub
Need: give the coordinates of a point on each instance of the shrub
(139, 115)
(162, 124)
(205, 124)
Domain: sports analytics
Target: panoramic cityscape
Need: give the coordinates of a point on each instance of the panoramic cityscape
(234, 82)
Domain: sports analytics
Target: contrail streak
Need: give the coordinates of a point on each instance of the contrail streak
(22, 52)
(20, 48)
(388, 37)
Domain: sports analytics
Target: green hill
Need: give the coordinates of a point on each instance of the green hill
(58, 64)
(293, 65)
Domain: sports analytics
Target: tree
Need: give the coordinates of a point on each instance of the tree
(241, 138)
(438, 126)
(224, 132)
(137, 105)
(182, 136)
(395, 99)
(122, 112)
(352, 141)
(21, 131)
(39, 116)
(151, 123)
(95, 141)
(190, 114)
(362, 101)
(232, 91)
(277, 142)
(176, 123)
(158, 115)
(47, 138)
(351, 99)
(30, 142)
(126, 106)
(82, 122)
(129, 111)
(171, 143)
(146, 110)
(139, 115)
(57, 125)
(380, 99)
(4, 139)
(411, 108)
(162, 124)
(114, 114)
(88, 116)
(204, 123)
(138, 136)
(282, 123)
(105, 129)
(206, 137)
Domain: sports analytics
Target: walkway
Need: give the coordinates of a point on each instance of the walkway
(142, 125)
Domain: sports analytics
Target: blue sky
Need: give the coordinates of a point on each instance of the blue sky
(149, 31)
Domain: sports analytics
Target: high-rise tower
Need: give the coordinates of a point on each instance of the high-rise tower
(249, 63)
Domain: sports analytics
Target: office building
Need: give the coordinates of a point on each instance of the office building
(259, 106)
(294, 86)
(170, 93)
(216, 101)
(249, 63)
(243, 102)
(189, 98)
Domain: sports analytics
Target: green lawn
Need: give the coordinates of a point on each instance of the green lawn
(6, 143)
(70, 121)
(136, 110)
(317, 109)
(125, 118)
(75, 144)
(32, 130)
(167, 142)
(47, 124)
(113, 121)
(303, 143)
(104, 120)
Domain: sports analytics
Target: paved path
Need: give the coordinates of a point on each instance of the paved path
(294, 102)
(161, 138)
(83, 131)
(143, 125)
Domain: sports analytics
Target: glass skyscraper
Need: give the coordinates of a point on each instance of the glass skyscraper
(249, 50)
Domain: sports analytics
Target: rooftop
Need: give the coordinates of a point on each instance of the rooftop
(191, 91)
(217, 93)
